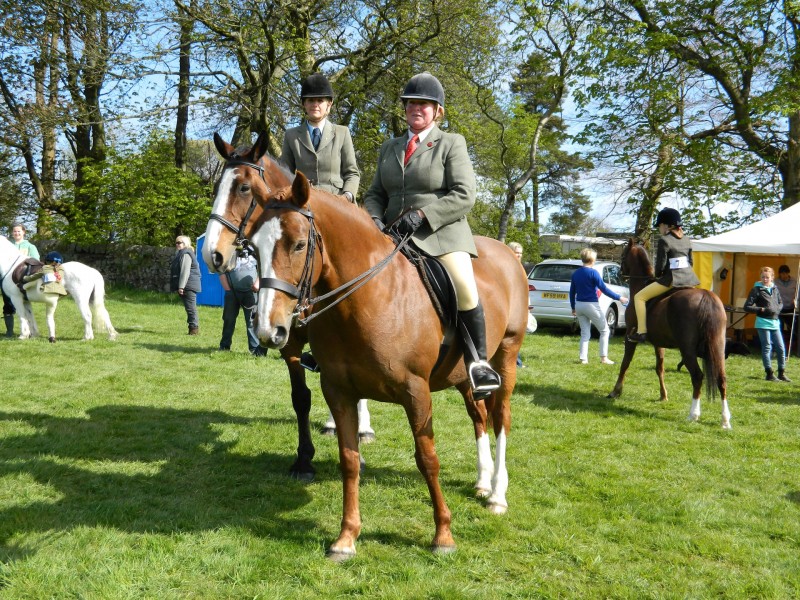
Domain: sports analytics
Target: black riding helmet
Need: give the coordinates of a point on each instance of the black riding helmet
(53, 257)
(316, 86)
(668, 216)
(424, 87)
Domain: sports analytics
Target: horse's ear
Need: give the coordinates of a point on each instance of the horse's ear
(301, 189)
(223, 147)
(260, 147)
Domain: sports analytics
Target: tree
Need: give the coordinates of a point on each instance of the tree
(748, 56)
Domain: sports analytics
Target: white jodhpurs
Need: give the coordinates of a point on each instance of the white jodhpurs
(589, 314)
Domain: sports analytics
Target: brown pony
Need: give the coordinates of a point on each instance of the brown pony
(221, 231)
(690, 319)
(374, 331)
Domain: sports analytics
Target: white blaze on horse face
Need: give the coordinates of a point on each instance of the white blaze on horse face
(264, 241)
(215, 228)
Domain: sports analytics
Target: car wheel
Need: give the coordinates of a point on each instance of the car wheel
(611, 319)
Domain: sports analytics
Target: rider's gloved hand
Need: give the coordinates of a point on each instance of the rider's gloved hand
(409, 223)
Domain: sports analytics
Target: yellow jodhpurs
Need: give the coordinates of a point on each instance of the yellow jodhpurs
(459, 266)
(639, 300)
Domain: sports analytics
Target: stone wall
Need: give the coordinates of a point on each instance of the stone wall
(141, 267)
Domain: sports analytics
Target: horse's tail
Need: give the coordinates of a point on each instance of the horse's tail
(713, 324)
(98, 305)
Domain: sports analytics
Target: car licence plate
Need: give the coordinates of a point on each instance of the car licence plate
(554, 296)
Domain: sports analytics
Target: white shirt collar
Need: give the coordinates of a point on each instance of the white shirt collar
(422, 134)
(320, 126)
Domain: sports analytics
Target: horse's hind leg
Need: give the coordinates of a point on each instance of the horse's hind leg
(660, 373)
(476, 409)
(27, 321)
(697, 385)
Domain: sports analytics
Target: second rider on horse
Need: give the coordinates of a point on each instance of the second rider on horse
(673, 267)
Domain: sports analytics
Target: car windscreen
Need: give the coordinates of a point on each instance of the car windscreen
(553, 272)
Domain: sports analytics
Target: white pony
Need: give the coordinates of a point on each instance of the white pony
(84, 283)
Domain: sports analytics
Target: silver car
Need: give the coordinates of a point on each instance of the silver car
(548, 292)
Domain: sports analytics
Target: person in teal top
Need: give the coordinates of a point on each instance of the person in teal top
(27, 249)
(18, 232)
(765, 302)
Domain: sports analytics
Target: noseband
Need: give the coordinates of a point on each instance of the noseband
(241, 242)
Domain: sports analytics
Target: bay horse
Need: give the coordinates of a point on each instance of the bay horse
(379, 338)
(84, 283)
(690, 319)
(222, 231)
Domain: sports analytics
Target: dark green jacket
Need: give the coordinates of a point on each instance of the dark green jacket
(332, 167)
(670, 246)
(437, 179)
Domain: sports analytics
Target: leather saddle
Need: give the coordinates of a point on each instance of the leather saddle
(29, 266)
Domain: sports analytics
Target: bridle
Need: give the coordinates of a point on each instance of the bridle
(301, 291)
(241, 242)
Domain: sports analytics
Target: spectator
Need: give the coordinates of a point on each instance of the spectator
(765, 302)
(583, 299)
(185, 279)
(787, 286)
(516, 248)
(240, 285)
(18, 232)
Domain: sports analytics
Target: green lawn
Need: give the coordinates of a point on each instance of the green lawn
(155, 467)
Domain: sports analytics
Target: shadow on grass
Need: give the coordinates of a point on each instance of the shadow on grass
(554, 397)
(140, 469)
(170, 348)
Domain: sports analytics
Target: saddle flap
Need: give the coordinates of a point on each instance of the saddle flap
(29, 266)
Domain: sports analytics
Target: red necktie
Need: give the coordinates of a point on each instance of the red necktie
(412, 145)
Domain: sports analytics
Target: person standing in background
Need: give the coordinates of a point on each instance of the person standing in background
(240, 285)
(787, 286)
(185, 279)
(765, 302)
(18, 232)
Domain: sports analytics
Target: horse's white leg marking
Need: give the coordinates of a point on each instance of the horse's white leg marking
(50, 312)
(694, 412)
(27, 322)
(497, 501)
(726, 415)
(364, 427)
(264, 240)
(483, 485)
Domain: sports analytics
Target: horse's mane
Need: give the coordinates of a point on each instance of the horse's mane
(639, 254)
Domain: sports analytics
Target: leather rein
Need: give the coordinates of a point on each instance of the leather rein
(301, 291)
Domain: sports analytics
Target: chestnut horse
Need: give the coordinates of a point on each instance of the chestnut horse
(690, 319)
(374, 330)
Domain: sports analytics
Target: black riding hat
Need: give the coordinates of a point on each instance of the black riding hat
(424, 87)
(316, 86)
(668, 216)
(53, 257)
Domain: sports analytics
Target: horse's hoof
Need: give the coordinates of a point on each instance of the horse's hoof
(482, 492)
(329, 431)
(497, 508)
(52, 339)
(443, 548)
(340, 555)
(726, 426)
(365, 438)
(302, 477)
(612, 395)
(693, 418)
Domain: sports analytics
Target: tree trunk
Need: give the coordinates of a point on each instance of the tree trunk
(789, 165)
(184, 71)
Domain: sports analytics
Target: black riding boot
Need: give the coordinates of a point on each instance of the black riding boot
(9, 319)
(770, 375)
(483, 377)
(782, 376)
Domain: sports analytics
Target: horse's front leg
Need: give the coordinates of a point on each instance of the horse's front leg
(27, 321)
(345, 415)
(630, 350)
(420, 417)
(660, 373)
(302, 468)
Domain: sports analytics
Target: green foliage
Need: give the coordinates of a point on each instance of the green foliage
(141, 198)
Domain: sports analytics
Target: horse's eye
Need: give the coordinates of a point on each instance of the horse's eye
(299, 246)
(245, 188)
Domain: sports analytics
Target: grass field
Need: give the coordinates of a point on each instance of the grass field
(155, 467)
